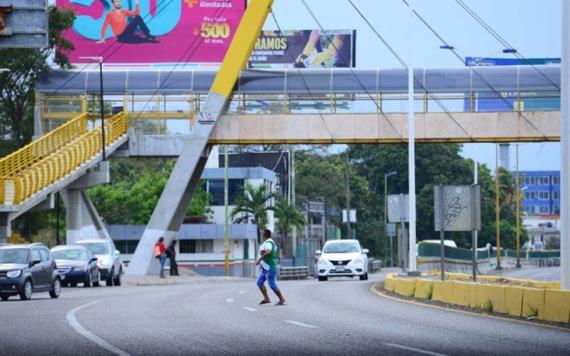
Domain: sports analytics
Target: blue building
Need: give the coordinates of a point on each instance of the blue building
(540, 192)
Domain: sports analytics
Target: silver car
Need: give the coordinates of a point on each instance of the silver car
(108, 259)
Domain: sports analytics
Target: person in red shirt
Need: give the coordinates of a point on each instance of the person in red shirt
(160, 253)
(126, 31)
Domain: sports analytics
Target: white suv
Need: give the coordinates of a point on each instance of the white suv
(342, 258)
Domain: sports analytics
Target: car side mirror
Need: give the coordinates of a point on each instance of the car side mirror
(365, 251)
(318, 252)
(117, 252)
(35, 262)
(94, 259)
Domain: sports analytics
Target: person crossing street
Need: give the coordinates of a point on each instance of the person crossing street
(268, 269)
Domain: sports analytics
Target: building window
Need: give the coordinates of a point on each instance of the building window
(216, 189)
(126, 246)
(556, 210)
(556, 180)
(556, 195)
(544, 210)
(544, 195)
(187, 246)
(196, 246)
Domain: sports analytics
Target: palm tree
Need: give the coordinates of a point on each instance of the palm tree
(255, 201)
(288, 216)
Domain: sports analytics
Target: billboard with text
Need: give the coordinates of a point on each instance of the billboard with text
(304, 49)
(153, 31)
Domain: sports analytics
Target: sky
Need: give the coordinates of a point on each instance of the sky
(530, 26)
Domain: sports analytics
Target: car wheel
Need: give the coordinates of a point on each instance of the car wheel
(87, 283)
(73, 285)
(117, 281)
(55, 291)
(323, 279)
(5, 297)
(364, 277)
(97, 282)
(109, 280)
(27, 290)
(64, 284)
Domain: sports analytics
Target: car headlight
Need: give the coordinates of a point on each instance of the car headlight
(103, 263)
(323, 262)
(358, 260)
(14, 274)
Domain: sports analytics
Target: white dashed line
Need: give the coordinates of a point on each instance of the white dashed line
(420, 351)
(249, 309)
(230, 300)
(293, 322)
(241, 292)
(72, 320)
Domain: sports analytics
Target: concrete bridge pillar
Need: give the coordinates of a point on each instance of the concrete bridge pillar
(5, 227)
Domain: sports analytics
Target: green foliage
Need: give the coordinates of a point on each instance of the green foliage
(136, 188)
(430, 292)
(488, 306)
(322, 175)
(255, 201)
(288, 216)
(17, 87)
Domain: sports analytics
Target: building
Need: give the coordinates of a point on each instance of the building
(540, 192)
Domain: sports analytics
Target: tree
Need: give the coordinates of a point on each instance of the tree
(288, 216)
(17, 87)
(255, 201)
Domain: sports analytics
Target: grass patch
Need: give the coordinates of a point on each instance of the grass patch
(488, 306)
(533, 312)
(430, 292)
(413, 292)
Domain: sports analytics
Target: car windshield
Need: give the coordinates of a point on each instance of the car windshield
(97, 248)
(343, 247)
(13, 255)
(75, 255)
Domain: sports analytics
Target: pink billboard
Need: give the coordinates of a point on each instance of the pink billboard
(144, 32)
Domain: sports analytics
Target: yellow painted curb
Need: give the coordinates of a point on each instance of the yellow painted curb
(424, 289)
(406, 287)
(533, 302)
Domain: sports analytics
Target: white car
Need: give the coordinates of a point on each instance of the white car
(342, 258)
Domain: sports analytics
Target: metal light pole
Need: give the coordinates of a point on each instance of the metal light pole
(518, 201)
(497, 209)
(348, 229)
(565, 151)
(227, 215)
(411, 147)
(101, 105)
(474, 233)
(386, 175)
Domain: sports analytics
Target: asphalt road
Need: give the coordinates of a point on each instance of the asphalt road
(336, 317)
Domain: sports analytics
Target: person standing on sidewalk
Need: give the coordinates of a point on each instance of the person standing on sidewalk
(268, 263)
(160, 253)
(171, 253)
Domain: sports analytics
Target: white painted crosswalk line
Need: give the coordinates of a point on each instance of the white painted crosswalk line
(297, 323)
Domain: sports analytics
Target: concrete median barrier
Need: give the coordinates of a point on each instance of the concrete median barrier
(533, 303)
(406, 287)
(557, 306)
(513, 300)
(443, 291)
(424, 289)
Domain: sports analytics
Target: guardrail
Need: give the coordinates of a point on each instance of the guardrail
(44, 146)
(16, 189)
(299, 272)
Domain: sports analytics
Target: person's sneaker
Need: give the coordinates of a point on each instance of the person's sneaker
(151, 39)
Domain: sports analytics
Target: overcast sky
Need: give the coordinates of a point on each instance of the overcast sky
(531, 26)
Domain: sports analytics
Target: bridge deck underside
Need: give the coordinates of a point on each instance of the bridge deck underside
(535, 126)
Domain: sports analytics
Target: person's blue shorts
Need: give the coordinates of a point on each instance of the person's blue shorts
(269, 276)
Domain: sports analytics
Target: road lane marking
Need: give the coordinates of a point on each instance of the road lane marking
(293, 322)
(74, 323)
(413, 349)
(249, 309)
(466, 312)
(241, 292)
(230, 300)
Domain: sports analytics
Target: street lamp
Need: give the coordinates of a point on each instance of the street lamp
(101, 109)
(519, 221)
(386, 176)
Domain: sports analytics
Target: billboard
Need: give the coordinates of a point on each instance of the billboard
(153, 31)
(304, 49)
(505, 101)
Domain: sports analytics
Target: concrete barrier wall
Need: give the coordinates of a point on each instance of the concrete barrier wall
(523, 298)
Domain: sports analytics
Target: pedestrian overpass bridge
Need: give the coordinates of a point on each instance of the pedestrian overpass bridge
(157, 115)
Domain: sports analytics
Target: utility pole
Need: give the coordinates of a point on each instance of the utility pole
(293, 199)
(227, 215)
(411, 147)
(518, 201)
(474, 233)
(497, 208)
(565, 151)
(348, 229)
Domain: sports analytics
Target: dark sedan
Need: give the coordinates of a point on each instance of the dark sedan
(77, 264)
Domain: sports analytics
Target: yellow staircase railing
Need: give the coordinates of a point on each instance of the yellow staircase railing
(44, 146)
(17, 188)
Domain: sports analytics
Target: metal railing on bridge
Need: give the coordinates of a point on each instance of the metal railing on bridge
(39, 174)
